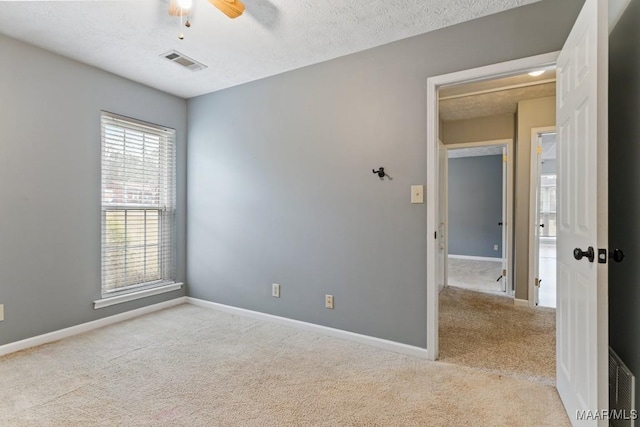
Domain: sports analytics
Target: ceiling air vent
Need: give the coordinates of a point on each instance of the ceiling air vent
(183, 60)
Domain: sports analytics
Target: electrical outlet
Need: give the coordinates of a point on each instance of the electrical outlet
(328, 301)
(275, 290)
(1, 312)
(495, 247)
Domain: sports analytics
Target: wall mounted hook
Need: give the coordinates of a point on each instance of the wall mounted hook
(380, 172)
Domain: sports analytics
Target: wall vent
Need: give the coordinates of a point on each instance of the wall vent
(183, 60)
(622, 392)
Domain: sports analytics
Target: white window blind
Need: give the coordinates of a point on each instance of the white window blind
(138, 205)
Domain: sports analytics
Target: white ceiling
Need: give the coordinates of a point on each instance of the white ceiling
(494, 97)
(126, 37)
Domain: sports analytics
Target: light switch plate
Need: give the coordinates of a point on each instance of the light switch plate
(417, 194)
(328, 301)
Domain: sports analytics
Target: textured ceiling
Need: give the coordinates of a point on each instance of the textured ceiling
(492, 103)
(518, 80)
(491, 150)
(495, 96)
(273, 36)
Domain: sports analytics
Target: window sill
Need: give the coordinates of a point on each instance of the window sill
(119, 299)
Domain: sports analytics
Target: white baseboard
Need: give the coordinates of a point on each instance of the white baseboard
(520, 302)
(476, 258)
(86, 327)
(305, 326)
(325, 330)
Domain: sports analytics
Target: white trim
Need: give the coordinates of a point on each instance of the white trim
(500, 89)
(433, 84)
(444, 187)
(119, 299)
(86, 327)
(305, 326)
(476, 258)
(507, 251)
(312, 327)
(520, 302)
(487, 143)
(506, 220)
(533, 215)
(433, 122)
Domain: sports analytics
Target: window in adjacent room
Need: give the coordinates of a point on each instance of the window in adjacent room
(138, 205)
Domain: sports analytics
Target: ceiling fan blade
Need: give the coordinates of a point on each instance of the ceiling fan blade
(231, 8)
(176, 10)
(265, 13)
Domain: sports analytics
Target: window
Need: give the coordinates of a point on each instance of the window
(138, 205)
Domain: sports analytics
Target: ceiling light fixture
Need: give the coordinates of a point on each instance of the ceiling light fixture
(185, 4)
(231, 8)
(536, 73)
(181, 8)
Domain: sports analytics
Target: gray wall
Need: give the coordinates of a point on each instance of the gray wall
(280, 182)
(624, 181)
(475, 206)
(50, 185)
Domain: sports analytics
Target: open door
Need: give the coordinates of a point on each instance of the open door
(443, 250)
(542, 218)
(504, 222)
(582, 307)
(534, 246)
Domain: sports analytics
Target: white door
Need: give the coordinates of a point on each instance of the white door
(504, 222)
(535, 180)
(581, 322)
(443, 170)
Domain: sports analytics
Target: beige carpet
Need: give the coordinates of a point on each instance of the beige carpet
(489, 332)
(475, 274)
(188, 366)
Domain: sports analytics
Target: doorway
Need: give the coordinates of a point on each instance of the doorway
(543, 218)
(476, 329)
(434, 86)
(477, 208)
(582, 121)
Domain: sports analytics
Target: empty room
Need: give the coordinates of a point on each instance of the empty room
(228, 213)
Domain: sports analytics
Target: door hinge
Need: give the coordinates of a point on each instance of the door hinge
(539, 149)
(504, 273)
(537, 282)
(504, 158)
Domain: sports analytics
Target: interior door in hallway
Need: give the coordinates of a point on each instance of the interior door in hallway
(442, 215)
(543, 217)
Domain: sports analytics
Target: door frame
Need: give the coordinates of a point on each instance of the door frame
(502, 69)
(533, 189)
(507, 200)
(443, 239)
